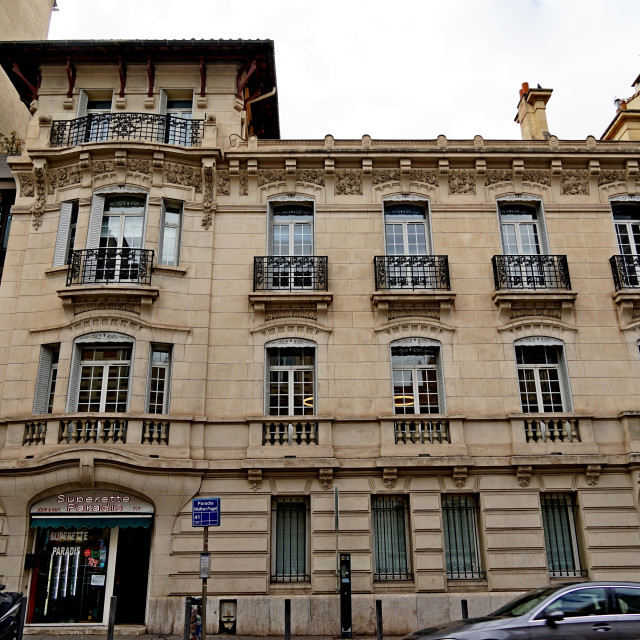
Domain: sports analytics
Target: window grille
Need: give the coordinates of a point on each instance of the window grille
(460, 527)
(559, 523)
(390, 538)
(290, 555)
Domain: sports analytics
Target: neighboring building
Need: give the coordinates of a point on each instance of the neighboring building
(446, 329)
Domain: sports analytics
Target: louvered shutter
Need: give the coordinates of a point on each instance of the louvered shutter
(542, 232)
(83, 101)
(42, 380)
(563, 374)
(95, 221)
(162, 103)
(74, 379)
(442, 406)
(62, 241)
(163, 215)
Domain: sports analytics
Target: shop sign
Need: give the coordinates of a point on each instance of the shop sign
(92, 502)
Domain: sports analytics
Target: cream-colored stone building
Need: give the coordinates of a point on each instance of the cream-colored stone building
(446, 330)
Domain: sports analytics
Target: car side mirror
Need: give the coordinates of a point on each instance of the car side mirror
(553, 617)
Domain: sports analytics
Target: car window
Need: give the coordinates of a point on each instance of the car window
(524, 603)
(591, 601)
(628, 599)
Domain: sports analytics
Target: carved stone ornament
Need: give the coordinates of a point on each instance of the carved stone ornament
(326, 478)
(523, 475)
(103, 166)
(41, 196)
(244, 183)
(390, 477)
(267, 176)
(610, 176)
(381, 176)
(255, 478)
(64, 177)
(462, 181)
(111, 305)
(539, 176)
(459, 476)
(575, 182)
(223, 183)
(497, 175)
(312, 176)
(139, 166)
(208, 203)
(593, 474)
(183, 175)
(27, 185)
(309, 312)
(414, 311)
(426, 176)
(349, 182)
(544, 310)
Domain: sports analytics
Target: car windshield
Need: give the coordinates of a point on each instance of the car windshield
(523, 604)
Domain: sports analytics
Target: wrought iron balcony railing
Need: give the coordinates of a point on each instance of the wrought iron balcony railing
(146, 127)
(531, 272)
(626, 272)
(119, 265)
(290, 273)
(412, 272)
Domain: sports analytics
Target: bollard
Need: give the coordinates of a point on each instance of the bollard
(21, 615)
(287, 619)
(379, 633)
(465, 609)
(112, 617)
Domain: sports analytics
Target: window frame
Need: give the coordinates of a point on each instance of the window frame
(420, 343)
(291, 201)
(164, 226)
(278, 542)
(564, 383)
(288, 343)
(409, 201)
(466, 556)
(540, 224)
(620, 205)
(168, 368)
(384, 541)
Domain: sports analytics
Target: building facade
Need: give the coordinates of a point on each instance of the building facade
(446, 330)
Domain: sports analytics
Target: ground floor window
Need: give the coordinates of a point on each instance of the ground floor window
(460, 528)
(390, 542)
(290, 560)
(560, 539)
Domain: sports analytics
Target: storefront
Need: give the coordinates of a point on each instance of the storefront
(88, 546)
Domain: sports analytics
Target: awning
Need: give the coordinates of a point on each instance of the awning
(87, 522)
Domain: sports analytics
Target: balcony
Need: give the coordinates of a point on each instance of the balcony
(422, 432)
(626, 271)
(531, 273)
(412, 272)
(143, 127)
(290, 273)
(110, 266)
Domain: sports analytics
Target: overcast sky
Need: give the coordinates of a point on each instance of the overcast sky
(405, 68)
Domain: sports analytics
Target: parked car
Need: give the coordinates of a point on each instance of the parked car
(586, 610)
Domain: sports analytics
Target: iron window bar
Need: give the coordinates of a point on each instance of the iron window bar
(290, 273)
(536, 272)
(460, 527)
(412, 272)
(145, 127)
(390, 514)
(626, 271)
(290, 562)
(110, 265)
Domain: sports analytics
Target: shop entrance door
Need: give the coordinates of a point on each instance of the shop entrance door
(131, 576)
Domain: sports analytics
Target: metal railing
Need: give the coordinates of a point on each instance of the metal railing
(155, 432)
(626, 272)
(390, 518)
(282, 433)
(110, 265)
(145, 127)
(422, 432)
(290, 273)
(552, 430)
(34, 432)
(531, 272)
(94, 430)
(412, 272)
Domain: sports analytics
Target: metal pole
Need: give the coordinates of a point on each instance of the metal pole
(287, 619)
(336, 526)
(203, 617)
(187, 618)
(465, 609)
(379, 633)
(21, 615)
(112, 617)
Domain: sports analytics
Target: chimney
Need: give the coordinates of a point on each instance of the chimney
(532, 116)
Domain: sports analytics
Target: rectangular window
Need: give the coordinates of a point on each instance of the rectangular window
(461, 544)
(46, 379)
(390, 538)
(417, 380)
(290, 553)
(559, 524)
(95, 106)
(104, 379)
(291, 381)
(405, 226)
(159, 382)
(170, 229)
(542, 378)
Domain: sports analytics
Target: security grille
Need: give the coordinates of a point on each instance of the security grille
(291, 545)
(390, 538)
(460, 526)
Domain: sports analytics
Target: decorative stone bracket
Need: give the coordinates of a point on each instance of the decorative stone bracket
(592, 474)
(254, 476)
(326, 478)
(391, 305)
(108, 298)
(523, 474)
(514, 305)
(390, 477)
(460, 476)
(311, 305)
(628, 306)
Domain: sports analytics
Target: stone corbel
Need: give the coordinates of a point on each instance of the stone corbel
(210, 135)
(234, 177)
(208, 196)
(290, 169)
(460, 476)
(390, 477)
(255, 478)
(405, 175)
(252, 177)
(157, 165)
(367, 175)
(40, 191)
(326, 478)
(443, 173)
(517, 166)
(45, 122)
(592, 474)
(523, 474)
(632, 175)
(87, 471)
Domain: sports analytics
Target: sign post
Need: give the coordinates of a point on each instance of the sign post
(205, 512)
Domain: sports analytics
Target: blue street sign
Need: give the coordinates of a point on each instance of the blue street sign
(205, 512)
